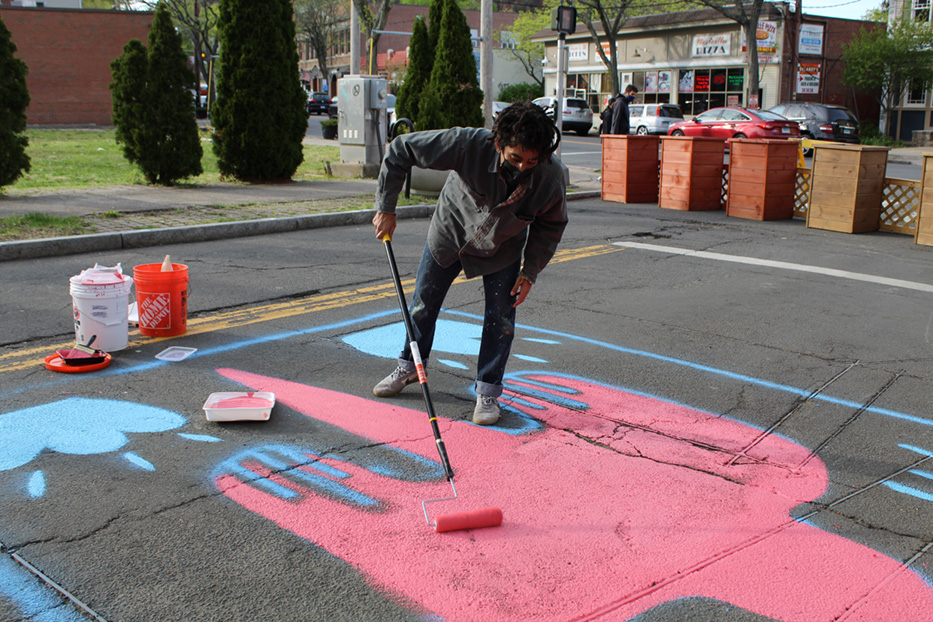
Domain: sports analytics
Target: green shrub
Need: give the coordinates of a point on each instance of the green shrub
(452, 96)
(524, 91)
(259, 117)
(871, 135)
(153, 109)
(407, 106)
(14, 97)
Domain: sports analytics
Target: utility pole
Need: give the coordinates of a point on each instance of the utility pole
(485, 59)
(197, 57)
(354, 40)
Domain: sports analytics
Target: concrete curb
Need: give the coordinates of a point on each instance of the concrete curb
(97, 242)
(53, 247)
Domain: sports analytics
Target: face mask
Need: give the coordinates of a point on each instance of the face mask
(511, 172)
(630, 98)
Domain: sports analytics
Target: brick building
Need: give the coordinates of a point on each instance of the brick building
(68, 53)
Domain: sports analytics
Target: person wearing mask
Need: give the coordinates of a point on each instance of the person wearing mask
(620, 123)
(500, 215)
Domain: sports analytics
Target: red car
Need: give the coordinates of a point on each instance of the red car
(734, 122)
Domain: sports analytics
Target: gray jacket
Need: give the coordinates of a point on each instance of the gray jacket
(475, 221)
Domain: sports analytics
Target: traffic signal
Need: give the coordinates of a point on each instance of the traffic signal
(564, 19)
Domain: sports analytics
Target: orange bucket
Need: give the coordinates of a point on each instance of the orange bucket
(162, 299)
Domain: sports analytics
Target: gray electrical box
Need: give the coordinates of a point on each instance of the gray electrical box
(362, 128)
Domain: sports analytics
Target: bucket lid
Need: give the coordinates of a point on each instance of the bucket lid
(100, 275)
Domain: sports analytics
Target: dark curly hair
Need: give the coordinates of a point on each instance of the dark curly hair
(528, 125)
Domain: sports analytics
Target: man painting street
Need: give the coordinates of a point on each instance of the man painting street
(500, 215)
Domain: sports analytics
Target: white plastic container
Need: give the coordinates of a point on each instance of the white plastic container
(239, 406)
(100, 298)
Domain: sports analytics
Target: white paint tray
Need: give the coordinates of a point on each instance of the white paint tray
(239, 406)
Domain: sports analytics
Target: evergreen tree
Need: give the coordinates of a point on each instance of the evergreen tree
(153, 108)
(417, 74)
(435, 17)
(259, 118)
(452, 96)
(14, 98)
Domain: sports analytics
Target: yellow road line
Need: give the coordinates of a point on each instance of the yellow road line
(30, 357)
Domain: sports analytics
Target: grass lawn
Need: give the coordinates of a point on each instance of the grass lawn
(81, 159)
(87, 158)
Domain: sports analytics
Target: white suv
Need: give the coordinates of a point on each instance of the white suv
(576, 115)
(652, 118)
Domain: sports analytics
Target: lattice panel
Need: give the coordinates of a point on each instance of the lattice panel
(724, 196)
(899, 205)
(802, 193)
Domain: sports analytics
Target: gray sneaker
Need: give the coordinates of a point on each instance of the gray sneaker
(486, 411)
(395, 382)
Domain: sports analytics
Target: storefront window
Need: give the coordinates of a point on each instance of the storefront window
(702, 89)
(657, 88)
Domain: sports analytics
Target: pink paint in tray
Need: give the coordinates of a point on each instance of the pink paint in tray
(239, 406)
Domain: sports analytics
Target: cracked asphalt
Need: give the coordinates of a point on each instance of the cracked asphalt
(707, 418)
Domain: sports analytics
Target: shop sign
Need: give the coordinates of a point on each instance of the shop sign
(712, 45)
(766, 36)
(811, 39)
(607, 49)
(808, 78)
(578, 51)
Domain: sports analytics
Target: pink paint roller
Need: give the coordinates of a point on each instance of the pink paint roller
(476, 519)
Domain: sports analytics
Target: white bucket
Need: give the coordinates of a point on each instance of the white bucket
(100, 300)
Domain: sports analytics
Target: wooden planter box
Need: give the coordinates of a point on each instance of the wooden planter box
(630, 168)
(691, 173)
(847, 187)
(924, 233)
(762, 179)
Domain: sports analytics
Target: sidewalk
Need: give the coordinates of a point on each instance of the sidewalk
(152, 215)
(139, 216)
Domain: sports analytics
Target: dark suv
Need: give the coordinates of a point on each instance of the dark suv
(318, 102)
(822, 121)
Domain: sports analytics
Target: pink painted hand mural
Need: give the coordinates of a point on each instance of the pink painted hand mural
(621, 503)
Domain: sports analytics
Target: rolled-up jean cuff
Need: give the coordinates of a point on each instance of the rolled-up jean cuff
(491, 390)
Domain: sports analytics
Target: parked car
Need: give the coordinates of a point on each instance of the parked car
(390, 109)
(498, 107)
(821, 121)
(318, 103)
(576, 115)
(647, 119)
(735, 122)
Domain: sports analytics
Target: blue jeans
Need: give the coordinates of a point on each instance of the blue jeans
(431, 288)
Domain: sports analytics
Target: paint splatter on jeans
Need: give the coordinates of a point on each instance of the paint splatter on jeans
(431, 288)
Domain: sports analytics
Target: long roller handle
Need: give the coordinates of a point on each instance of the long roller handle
(416, 355)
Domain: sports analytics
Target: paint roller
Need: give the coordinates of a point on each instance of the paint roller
(476, 519)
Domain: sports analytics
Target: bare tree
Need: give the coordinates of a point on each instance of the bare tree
(746, 14)
(372, 20)
(197, 22)
(317, 23)
(517, 40)
(118, 5)
(612, 17)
